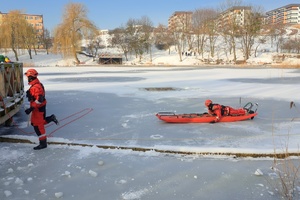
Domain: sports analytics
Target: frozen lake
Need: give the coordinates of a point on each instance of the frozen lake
(116, 106)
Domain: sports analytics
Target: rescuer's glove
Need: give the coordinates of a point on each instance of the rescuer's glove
(28, 110)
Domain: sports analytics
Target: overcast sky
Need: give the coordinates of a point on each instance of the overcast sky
(114, 13)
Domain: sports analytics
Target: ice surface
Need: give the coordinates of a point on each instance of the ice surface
(107, 106)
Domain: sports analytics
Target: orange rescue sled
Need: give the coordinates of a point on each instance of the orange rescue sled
(171, 117)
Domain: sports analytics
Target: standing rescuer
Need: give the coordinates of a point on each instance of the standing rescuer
(37, 99)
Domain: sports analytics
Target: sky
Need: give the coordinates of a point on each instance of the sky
(115, 13)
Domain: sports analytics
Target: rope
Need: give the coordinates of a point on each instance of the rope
(86, 111)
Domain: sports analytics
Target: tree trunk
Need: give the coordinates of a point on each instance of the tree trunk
(16, 54)
(29, 52)
(179, 53)
(150, 50)
(125, 54)
(234, 51)
(256, 51)
(76, 57)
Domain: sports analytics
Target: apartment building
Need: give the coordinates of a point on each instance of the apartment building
(289, 14)
(183, 19)
(237, 14)
(180, 20)
(36, 21)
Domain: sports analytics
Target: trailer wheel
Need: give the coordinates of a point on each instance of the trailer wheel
(8, 122)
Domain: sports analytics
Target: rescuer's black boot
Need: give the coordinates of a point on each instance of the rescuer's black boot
(42, 145)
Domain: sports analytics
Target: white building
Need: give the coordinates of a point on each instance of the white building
(289, 14)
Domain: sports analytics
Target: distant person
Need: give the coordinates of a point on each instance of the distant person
(37, 99)
(7, 60)
(2, 58)
(220, 110)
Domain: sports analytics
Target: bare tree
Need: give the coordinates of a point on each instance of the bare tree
(228, 26)
(250, 30)
(138, 35)
(163, 39)
(146, 34)
(95, 44)
(201, 18)
(178, 36)
(160, 33)
(180, 31)
(297, 45)
(75, 26)
(229, 32)
(275, 32)
(261, 40)
(131, 35)
(28, 38)
(212, 33)
(121, 40)
(47, 40)
(291, 45)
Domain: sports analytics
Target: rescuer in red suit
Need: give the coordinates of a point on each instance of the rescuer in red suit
(36, 97)
(220, 110)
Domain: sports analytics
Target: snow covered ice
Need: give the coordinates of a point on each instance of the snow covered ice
(110, 107)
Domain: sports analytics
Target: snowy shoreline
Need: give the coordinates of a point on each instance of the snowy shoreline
(171, 150)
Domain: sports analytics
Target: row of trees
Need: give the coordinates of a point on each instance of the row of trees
(201, 34)
(135, 37)
(138, 36)
(16, 33)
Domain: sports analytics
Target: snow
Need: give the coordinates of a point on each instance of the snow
(118, 149)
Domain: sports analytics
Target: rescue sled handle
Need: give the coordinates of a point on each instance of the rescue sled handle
(166, 113)
(250, 106)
